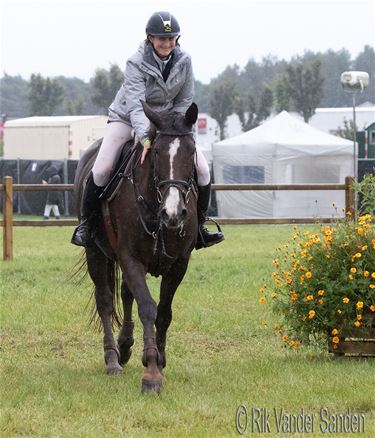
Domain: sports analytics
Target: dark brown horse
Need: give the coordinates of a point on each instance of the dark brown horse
(153, 229)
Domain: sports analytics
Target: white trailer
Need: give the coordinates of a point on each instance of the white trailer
(51, 138)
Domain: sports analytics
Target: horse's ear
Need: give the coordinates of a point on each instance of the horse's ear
(153, 116)
(191, 114)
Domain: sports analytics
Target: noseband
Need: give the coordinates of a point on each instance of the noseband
(184, 187)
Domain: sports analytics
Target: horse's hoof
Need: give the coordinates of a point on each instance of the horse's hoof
(151, 386)
(114, 369)
(125, 355)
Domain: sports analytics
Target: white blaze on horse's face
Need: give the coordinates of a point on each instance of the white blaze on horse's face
(173, 198)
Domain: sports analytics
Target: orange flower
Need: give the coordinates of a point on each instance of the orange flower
(335, 332)
(335, 339)
(311, 314)
(359, 305)
(308, 274)
(293, 296)
(345, 300)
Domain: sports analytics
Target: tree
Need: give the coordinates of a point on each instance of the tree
(222, 95)
(365, 61)
(45, 95)
(105, 85)
(304, 84)
(14, 95)
(201, 96)
(77, 98)
(281, 97)
(253, 109)
(347, 131)
(333, 64)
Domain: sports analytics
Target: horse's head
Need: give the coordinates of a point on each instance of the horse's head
(173, 152)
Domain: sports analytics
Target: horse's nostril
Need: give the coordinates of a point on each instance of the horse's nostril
(183, 212)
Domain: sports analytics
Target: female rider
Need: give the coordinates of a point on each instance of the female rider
(161, 74)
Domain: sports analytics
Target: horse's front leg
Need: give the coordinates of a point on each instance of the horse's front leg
(168, 287)
(135, 273)
(125, 338)
(101, 272)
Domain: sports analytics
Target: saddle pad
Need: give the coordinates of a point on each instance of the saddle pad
(127, 161)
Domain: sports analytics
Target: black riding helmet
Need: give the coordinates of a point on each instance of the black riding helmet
(162, 24)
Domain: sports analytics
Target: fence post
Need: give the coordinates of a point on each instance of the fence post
(8, 219)
(349, 196)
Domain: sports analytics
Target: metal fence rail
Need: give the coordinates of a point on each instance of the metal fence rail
(8, 223)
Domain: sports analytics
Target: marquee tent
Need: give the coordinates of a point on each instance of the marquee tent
(283, 150)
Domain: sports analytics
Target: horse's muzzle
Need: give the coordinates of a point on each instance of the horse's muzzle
(173, 221)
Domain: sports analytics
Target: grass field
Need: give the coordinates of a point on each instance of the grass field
(219, 354)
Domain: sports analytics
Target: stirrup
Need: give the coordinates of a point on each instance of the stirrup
(209, 219)
(201, 242)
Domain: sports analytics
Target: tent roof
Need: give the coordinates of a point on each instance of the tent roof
(48, 121)
(288, 131)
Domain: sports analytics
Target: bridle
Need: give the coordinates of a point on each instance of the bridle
(162, 186)
(184, 187)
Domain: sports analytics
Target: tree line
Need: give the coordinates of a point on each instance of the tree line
(252, 92)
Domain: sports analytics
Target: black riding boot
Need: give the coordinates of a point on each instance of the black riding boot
(90, 210)
(205, 237)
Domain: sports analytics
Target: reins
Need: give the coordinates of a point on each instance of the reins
(185, 188)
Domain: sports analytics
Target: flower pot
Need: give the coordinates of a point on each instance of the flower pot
(357, 342)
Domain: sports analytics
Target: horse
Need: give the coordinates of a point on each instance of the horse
(149, 225)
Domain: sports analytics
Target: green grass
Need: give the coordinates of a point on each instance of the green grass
(219, 355)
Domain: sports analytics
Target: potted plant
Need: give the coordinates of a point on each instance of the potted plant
(324, 284)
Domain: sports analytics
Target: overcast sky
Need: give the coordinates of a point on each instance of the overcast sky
(74, 37)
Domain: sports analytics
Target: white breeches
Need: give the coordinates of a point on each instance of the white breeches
(116, 134)
(49, 207)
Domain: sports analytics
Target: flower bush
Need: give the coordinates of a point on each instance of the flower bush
(324, 282)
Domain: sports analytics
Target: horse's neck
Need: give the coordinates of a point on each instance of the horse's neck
(144, 179)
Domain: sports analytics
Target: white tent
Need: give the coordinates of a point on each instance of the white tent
(283, 150)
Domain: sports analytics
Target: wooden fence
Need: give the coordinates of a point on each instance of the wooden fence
(8, 223)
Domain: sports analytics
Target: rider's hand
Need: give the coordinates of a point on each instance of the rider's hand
(146, 147)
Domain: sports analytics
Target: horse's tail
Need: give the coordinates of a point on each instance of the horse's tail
(114, 273)
(114, 283)
(77, 277)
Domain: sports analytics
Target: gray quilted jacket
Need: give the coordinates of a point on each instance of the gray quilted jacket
(143, 81)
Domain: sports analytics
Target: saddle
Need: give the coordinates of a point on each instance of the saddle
(128, 160)
(129, 157)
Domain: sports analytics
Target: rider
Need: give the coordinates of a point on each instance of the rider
(161, 74)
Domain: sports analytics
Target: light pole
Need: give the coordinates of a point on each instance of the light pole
(353, 81)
